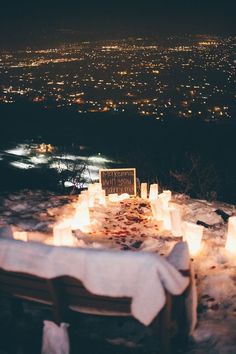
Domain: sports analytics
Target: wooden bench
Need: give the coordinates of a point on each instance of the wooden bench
(65, 296)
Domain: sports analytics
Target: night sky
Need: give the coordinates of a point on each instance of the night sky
(23, 20)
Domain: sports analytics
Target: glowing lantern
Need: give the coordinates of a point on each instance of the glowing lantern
(91, 201)
(91, 195)
(176, 221)
(102, 197)
(97, 187)
(168, 194)
(96, 194)
(62, 235)
(91, 188)
(113, 197)
(166, 219)
(20, 235)
(159, 206)
(157, 210)
(192, 233)
(231, 235)
(144, 190)
(82, 218)
(164, 199)
(153, 192)
(123, 196)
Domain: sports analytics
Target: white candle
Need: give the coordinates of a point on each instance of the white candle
(156, 207)
(176, 221)
(144, 190)
(91, 201)
(168, 194)
(62, 235)
(102, 197)
(91, 188)
(231, 235)
(166, 219)
(97, 186)
(153, 192)
(192, 233)
(123, 196)
(113, 197)
(83, 200)
(20, 235)
(82, 217)
(164, 198)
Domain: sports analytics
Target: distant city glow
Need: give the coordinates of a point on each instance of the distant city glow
(128, 75)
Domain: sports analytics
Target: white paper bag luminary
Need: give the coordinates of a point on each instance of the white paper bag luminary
(176, 220)
(153, 192)
(231, 235)
(193, 233)
(81, 220)
(157, 209)
(144, 190)
(102, 197)
(168, 194)
(166, 219)
(164, 199)
(62, 235)
(20, 235)
(113, 197)
(123, 196)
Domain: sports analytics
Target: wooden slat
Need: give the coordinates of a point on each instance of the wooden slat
(25, 293)
(100, 305)
(78, 295)
(64, 292)
(31, 282)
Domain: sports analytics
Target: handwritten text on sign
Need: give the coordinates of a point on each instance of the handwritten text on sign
(119, 180)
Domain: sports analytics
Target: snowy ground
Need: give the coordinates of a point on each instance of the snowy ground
(128, 225)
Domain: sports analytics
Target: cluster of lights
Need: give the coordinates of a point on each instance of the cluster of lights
(134, 74)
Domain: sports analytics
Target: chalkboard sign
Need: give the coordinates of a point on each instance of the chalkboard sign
(119, 181)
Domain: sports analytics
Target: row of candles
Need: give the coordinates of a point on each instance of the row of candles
(170, 215)
(167, 213)
(90, 198)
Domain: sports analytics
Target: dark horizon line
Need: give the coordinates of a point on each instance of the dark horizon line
(46, 40)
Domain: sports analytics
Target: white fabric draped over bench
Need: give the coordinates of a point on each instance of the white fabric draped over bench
(141, 276)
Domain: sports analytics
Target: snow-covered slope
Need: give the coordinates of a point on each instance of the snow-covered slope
(129, 225)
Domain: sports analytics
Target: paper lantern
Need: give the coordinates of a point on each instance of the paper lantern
(81, 220)
(113, 197)
(157, 209)
(102, 197)
(62, 235)
(98, 187)
(168, 194)
(96, 195)
(164, 199)
(159, 205)
(176, 221)
(91, 188)
(192, 233)
(166, 218)
(144, 190)
(123, 196)
(231, 235)
(83, 200)
(20, 235)
(91, 201)
(153, 192)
